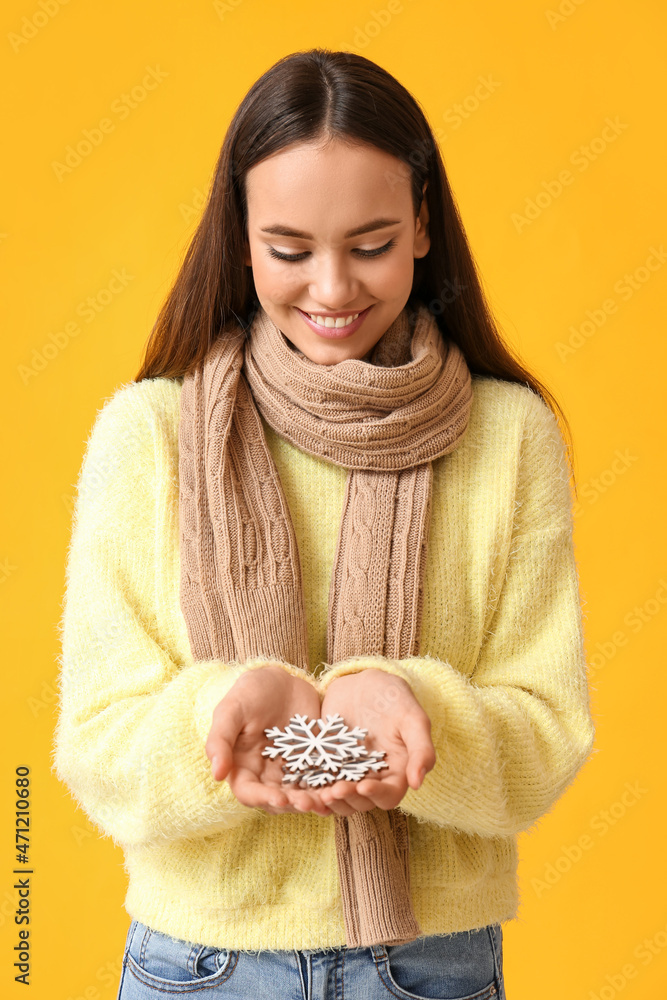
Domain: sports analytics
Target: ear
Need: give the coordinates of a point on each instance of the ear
(422, 243)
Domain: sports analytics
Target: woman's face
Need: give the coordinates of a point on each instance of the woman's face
(332, 231)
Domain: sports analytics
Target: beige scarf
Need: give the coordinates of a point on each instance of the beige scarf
(384, 419)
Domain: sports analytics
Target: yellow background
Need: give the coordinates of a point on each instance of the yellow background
(593, 921)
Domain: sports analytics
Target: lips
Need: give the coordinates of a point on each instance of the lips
(333, 332)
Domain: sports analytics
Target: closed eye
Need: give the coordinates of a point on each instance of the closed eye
(272, 252)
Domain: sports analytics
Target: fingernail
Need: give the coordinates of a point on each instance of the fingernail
(214, 763)
(422, 775)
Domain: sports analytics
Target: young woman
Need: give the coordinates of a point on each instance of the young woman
(331, 490)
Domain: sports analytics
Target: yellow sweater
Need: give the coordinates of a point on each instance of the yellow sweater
(502, 676)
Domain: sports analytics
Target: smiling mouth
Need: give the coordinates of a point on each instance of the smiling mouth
(333, 322)
(334, 327)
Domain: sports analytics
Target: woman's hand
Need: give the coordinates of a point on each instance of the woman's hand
(261, 698)
(384, 705)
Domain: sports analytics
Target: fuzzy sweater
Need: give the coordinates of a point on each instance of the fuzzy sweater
(502, 677)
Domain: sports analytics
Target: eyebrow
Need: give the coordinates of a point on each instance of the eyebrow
(368, 227)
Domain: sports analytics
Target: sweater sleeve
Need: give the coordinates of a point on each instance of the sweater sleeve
(512, 736)
(133, 719)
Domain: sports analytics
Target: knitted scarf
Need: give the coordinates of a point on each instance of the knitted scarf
(385, 418)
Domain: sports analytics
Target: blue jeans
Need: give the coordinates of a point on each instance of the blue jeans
(467, 965)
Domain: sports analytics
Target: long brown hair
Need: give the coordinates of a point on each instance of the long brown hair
(307, 96)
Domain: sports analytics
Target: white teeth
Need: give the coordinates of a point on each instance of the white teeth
(330, 321)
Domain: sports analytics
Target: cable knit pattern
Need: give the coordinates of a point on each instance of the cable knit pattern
(247, 579)
(241, 579)
(501, 674)
(384, 415)
(375, 601)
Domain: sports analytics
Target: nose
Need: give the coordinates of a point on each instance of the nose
(332, 282)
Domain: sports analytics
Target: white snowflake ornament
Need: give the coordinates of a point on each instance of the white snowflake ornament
(317, 758)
